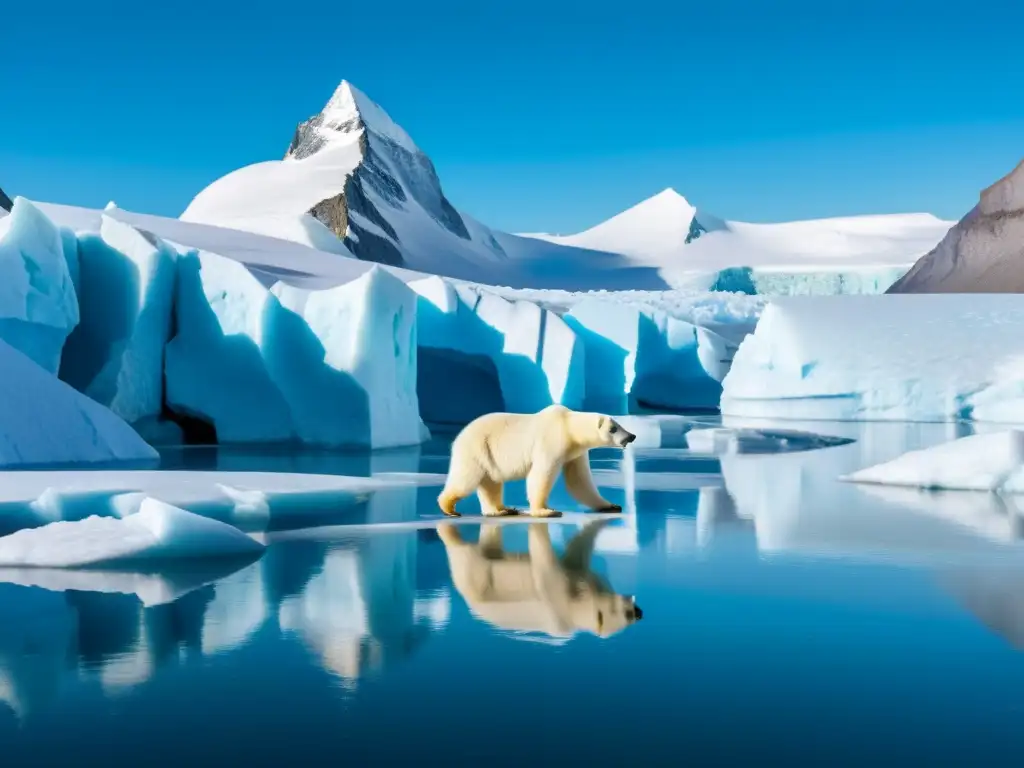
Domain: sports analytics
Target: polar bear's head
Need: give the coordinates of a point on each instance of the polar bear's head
(613, 434)
(608, 613)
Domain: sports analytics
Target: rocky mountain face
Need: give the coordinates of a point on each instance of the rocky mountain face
(983, 253)
(392, 175)
(5, 201)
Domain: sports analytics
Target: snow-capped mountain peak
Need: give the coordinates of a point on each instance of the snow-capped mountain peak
(350, 105)
(346, 115)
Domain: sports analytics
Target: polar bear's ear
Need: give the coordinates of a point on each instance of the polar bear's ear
(602, 422)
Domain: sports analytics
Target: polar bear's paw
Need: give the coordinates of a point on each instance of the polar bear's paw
(545, 512)
(502, 512)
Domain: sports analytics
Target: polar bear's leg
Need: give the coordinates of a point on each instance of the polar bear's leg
(581, 546)
(462, 481)
(490, 543)
(492, 503)
(538, 488)
(580, 484)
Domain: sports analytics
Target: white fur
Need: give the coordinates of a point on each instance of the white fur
(500, 447)
(536, 591)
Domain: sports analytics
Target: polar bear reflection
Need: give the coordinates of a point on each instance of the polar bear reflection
(536, 591)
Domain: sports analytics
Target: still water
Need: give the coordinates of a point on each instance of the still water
(782, 615)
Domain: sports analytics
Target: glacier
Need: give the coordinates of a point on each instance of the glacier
(911, 357)
(280, 364)
(514, 355)
(639, 355)
(38, 304)
(126, 279)
(336, 298)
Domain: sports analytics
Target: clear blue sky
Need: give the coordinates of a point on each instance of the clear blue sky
(538, 115)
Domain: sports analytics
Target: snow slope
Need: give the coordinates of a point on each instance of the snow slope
(353, 174)
(43, 421)
(902, 357)
(983, 253)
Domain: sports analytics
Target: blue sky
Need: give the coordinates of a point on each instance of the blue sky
(540, 116)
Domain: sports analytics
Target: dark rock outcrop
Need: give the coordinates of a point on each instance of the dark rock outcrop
(5, 201)
(983, 253)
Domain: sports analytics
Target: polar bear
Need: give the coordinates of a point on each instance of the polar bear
(536, 591)
(498, 447)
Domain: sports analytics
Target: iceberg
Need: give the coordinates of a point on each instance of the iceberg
(214, 368)
(279, 363)
(364, 334)
(126, 289)
(513, 350)
(986, 462)
(923, 357)
(46, 422)
(38, 304)
(636, 354)
(157, 532)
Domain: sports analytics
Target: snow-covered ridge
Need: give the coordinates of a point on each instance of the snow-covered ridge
(352, 174)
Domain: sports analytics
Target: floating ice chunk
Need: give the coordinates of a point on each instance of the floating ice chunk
(46, 422)
(247, 502)
(536, 357)
(54, 505)
(157, 532)
(38, 305)
(714, 440)
(126, 289)
(635, 353)
(904, 357)
(988, 462)
(364, 334)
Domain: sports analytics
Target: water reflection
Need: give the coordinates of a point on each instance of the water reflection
(538, 590)
(354, 605)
